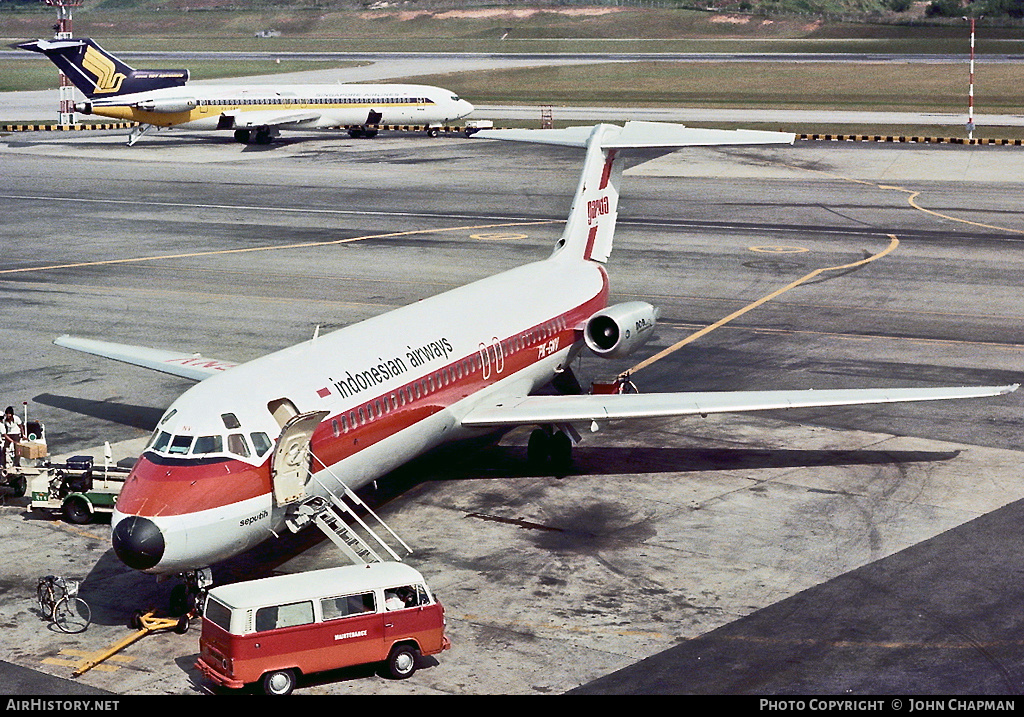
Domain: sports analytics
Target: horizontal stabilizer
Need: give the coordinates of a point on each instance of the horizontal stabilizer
(190, 366)
(530, 410)
(637, 135)
(590, 229)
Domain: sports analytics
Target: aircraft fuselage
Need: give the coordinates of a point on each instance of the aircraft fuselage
(213, 107)
(393, 387)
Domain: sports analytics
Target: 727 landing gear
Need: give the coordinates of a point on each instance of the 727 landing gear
(549, 449)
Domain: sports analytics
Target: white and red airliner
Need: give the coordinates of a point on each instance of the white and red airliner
(372, 396)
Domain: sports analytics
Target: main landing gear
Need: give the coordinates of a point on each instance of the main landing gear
(549, 450)
(258, 135)
(362, 132)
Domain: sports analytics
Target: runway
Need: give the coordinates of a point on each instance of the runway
(382, 67)
(805, 552)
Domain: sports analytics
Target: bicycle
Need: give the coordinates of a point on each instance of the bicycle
(59, 601)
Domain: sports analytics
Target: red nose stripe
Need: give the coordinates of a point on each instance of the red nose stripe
(155, 488)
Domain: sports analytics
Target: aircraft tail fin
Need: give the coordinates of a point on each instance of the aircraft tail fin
(590, 228)
(99, 74)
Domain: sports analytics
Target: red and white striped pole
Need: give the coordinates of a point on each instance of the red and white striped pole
(970, 92)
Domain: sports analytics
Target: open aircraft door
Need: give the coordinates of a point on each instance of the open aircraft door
(290, 467)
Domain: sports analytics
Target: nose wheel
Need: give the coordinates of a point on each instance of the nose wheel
(187, 597)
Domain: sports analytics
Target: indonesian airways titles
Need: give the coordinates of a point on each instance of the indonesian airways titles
(352, 384)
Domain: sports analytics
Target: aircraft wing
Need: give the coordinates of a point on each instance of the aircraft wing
(190, 366)
(271, 118)
(638, 134)
(527, 410)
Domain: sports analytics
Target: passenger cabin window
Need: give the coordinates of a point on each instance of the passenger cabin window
(278, 616)
(347, 605)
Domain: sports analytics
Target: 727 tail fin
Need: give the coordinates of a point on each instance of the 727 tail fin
(590, 228)
(97, 73)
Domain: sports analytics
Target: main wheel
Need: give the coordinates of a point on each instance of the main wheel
(72, 614)
(561, 451)
(279, 682)
(402, 661)
(539, 448)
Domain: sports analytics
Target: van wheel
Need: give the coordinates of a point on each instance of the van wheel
(279, 682)
(402, 661)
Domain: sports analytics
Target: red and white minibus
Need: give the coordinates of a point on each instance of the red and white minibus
(274, 629)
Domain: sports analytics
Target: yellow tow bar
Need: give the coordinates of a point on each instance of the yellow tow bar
(148, 623)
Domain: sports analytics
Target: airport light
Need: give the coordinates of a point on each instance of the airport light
(62, 31)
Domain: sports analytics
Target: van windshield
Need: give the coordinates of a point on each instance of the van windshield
(218, 613)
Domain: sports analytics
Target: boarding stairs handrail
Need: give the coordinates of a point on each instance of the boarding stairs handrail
(329, 513)
(351, 495)
(348, 541)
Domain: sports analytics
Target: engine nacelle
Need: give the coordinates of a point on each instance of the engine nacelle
(184, 104)
(621, 329)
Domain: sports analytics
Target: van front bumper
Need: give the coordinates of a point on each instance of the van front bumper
(214, 675)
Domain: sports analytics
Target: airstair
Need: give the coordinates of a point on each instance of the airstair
(348, 521)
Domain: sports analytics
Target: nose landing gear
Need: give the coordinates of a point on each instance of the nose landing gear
(186, 598)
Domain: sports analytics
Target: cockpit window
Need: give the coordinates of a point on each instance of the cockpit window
(236, 445)
(160, 441)
(168, 416)
(208, 444)
(455, 98)
(261, 442)
(230, 421)
(180, 445)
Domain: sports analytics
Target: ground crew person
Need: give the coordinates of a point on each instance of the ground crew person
(13, 432)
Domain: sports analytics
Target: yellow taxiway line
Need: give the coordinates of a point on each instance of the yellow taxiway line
(279, 247)
(893, 243)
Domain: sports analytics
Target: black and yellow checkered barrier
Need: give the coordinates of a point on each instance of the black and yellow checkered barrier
(64, 127)
(455, 129)
(912, 140)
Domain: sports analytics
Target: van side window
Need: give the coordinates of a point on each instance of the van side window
(277, 616)
(218, 614)
(346, 605)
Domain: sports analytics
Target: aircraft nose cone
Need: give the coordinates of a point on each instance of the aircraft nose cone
(138, 542)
